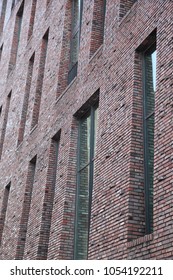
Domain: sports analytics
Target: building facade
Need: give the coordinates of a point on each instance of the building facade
(86, 129)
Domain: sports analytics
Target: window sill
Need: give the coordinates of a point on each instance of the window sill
(140, 240)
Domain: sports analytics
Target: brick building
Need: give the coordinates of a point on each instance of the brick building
(86, 129)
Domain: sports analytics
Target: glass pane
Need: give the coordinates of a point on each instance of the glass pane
(150, 81)
(95, 128)
(150, 164)
(85, 142)
(76, 14)
(74, 49)
(82, 226)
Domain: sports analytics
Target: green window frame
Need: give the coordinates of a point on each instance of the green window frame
(85, 173)
(77, 8)
(149, 84)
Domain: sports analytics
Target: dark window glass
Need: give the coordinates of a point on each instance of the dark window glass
(87, 140)
(77, 6)
(12, 5)
(1, 49)
(149, 104)
(4, 209)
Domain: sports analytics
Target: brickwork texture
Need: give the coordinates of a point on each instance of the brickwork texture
(40, 116)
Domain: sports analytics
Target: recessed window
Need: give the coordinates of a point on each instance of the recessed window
(140, 221)
(77, 7)
(97, 33)
(12, 5)
(32, 18)
(26, 209)
(4, 209)
(49, 193)
(3, 14)
(85, 172)
(40, 79)
(1, 49)
(149, 104)
(26, 99)
(16, 38)
(5, 121)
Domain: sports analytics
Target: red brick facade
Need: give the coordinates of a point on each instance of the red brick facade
(39, 122)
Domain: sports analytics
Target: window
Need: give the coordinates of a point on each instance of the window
(5, 120)
(85, 171)
(3, 14)
(32, 18)
(1, 49)
(149, 100)
(4, 209)
(16, 37)
(26, 208)
(77, 7)
(12, 5)
(39, 85)
(48, 2)
(97, 25)
(48, 198)
(140, 221)
(26, 99)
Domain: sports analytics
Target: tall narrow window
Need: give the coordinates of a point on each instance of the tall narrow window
(12, 4)
(26, 100)
(32, 18)
(149, 100)
(77, 7)
(1, 49)
(86, 153)
(16, 37)
(26, 209)
(48, 198)
(39, 84)
(141, 173)
(97, 25)
(48, 1)
(4, 209)
(3, 12)
(4, 126)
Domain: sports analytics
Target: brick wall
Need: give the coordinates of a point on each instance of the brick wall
(113, 64)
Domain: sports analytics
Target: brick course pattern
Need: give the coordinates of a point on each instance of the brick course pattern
(40, 114)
